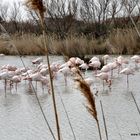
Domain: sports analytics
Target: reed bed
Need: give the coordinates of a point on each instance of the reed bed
(125, 41)
(120, 41)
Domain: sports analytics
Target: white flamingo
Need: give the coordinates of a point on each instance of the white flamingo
(96, 65)
(84, 67)
(127, 72)
(105, 68)
(105, 77)
(94, 59)
(16, 79)
(79, 61)
(105, 58)
(112, 66)
(136, 59)
(37, 60)
(65, 70)
(44, 81)
(6, 75)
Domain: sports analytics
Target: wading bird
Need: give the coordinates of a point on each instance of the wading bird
(104, 77)
(127, 72)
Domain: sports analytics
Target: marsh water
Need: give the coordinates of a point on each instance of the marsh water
(21, 118)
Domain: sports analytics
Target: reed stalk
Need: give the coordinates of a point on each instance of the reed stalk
(37, 6)
(138, 109)
(106, 132)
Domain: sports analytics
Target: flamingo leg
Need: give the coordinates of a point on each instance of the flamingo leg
(11, 84)
(118, 70)
(103, 85)
(30, 85)
(111, 73)
(5, 84)
(136, 66)
(127, 81)
(85, 72)
(49, 89)
(43, 88)
(16, 87)
(65, 78)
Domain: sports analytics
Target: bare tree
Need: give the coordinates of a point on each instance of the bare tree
(95, 13)
(131, 5)
(4, 11)
(114, 9)
(15, 16)
(61, 16)
(87, 11)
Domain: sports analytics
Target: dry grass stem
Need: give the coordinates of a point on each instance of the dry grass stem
(85, 89)
(37, 6)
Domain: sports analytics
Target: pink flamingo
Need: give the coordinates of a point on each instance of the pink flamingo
(105, 58)
(44, 81)
(16, 79)
(94, 59)
(136, 59)
(105, 77)
(84, 67)
(44, 71)
(37, 60)
(65, 70)
(105, 68)
(127, 72)
(120, 61)
(6, 75)
(112, 66)
(79, 61)
(96, 65)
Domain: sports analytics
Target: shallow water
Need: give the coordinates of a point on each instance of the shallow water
(21, 118)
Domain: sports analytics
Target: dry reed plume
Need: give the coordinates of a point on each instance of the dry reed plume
(85, 89)
(36, 5)
(91, 106)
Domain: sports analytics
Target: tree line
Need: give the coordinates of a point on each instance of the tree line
(72, 17)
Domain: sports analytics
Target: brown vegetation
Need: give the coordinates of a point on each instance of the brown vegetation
(73, 29)
(120, 41)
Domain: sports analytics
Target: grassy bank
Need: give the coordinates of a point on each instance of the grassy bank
(117, 42)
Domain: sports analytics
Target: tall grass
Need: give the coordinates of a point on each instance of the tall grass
(120, 41)
(125, 41)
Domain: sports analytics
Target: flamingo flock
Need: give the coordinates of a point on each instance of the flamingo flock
(11, 75)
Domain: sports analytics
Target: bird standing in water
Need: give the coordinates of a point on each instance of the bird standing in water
(127, 72)
(105, 77)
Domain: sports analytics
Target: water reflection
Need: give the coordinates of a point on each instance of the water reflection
(21, 118)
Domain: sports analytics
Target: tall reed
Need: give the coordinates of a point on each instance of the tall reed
(119, 41)
(38, 6)
(91, 106)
